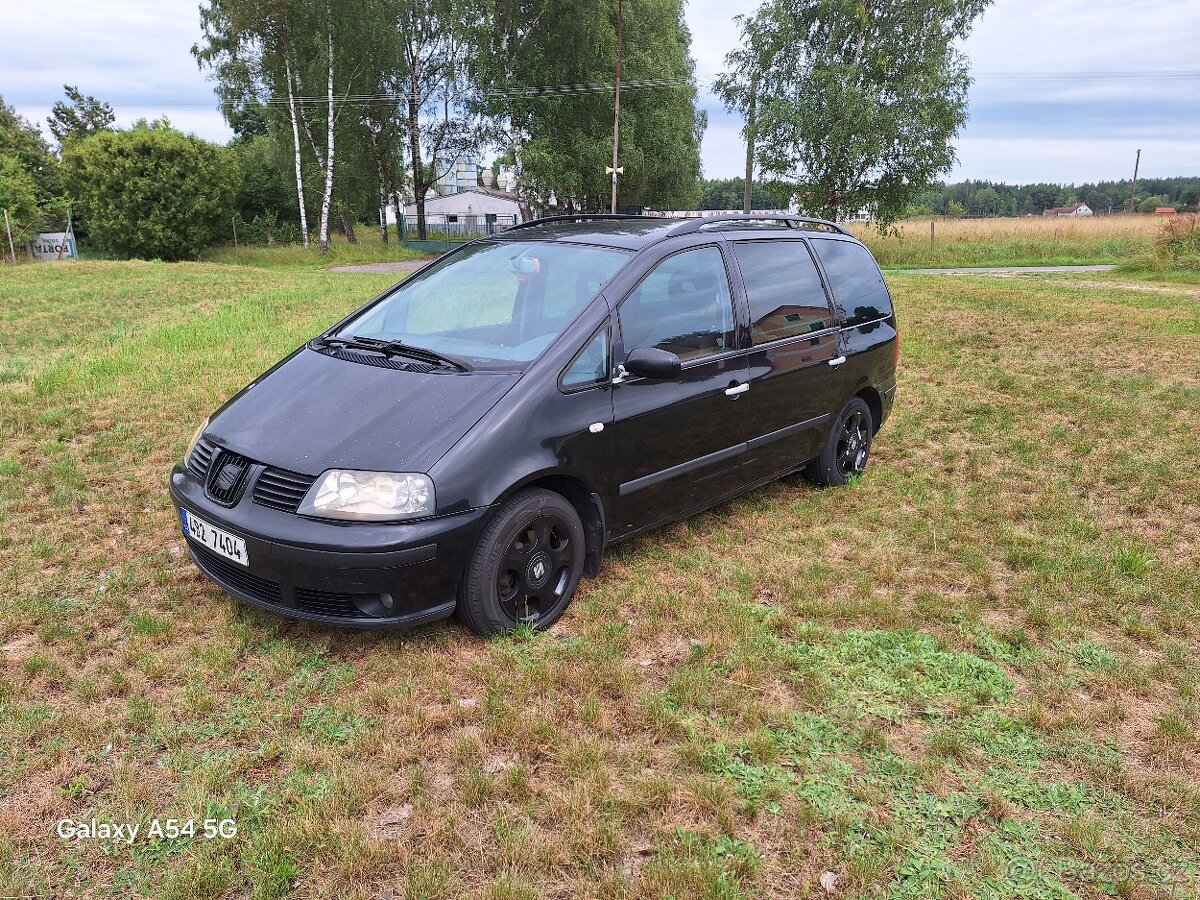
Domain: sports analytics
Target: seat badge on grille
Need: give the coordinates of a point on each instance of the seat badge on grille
(228, 476)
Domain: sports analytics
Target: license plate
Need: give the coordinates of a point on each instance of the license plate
(214, 538)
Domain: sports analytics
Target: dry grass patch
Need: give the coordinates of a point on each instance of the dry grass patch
(971, 673)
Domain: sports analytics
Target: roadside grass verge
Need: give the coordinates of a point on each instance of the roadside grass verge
(971, 673)
(369, 249)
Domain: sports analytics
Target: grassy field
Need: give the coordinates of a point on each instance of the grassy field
(973, 673)
(957, 242)
(1013, 242)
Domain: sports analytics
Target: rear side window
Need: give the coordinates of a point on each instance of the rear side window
(856, 281)
(784, 289)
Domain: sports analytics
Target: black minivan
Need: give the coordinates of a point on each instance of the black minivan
(471, 440)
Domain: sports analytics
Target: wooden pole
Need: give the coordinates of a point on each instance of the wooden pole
(1133, 193)
(7, 227)
(233, 219)
(617, 108)
(931, 238)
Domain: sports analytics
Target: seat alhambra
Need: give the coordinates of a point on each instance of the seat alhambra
(470, 441)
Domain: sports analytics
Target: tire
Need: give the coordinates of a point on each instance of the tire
(847, 448)
(526, 566)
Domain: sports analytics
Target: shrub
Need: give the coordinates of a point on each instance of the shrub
(18, 194)
(1178, 242)
(151, 192)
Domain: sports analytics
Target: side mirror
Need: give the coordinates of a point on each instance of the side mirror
(650, 362)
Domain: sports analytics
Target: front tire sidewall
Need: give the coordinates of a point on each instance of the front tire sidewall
(479, 606)
(823, 471)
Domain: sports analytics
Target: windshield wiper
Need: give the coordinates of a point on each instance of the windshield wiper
(397, 348)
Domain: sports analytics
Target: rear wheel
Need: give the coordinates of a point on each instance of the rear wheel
(846, 450)
(526, 566)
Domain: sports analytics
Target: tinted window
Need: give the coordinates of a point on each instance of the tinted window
(855, 280)
(591, 365)
(683, 306)
(784, 289)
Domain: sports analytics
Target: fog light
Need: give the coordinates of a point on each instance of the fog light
(387, 601)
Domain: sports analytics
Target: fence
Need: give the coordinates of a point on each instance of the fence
(446, 230)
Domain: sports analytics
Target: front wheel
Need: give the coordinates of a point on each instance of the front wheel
(846, 450)
(526, 566)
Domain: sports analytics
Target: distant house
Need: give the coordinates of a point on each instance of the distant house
(470, 208)
(1165, 211)
(1074, 211)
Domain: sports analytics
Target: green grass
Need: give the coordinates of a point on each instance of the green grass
(970, 674)
(369, 249)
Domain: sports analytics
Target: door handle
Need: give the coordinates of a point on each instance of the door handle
(837, 361)
(737, 390)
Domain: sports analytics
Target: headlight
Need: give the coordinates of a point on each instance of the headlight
(195, 438)
(369, 496)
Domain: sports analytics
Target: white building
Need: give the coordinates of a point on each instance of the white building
(471, 205)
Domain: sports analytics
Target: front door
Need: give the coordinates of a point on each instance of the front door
(678, 444)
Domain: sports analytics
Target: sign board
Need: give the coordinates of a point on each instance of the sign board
(53, 246)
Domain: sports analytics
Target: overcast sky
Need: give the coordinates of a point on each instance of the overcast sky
(1038, 111)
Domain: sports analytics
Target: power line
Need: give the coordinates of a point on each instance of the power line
(586, 88)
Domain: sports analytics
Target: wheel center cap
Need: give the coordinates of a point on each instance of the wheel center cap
(537, 572)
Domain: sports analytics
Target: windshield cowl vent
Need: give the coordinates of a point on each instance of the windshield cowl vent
(368, 358)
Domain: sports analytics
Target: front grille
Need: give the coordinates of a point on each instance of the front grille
(200, 459)
(281, 489)
(228, 574)
(376, 359)
(227, 476)
(328, 603)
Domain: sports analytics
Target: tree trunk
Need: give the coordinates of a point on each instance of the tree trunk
(296, 145)
(327, 197)
(383, 198)
(347, 227)
(748, 191)
(418, 170)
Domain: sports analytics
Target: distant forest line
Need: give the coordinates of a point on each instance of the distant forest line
(992, 198)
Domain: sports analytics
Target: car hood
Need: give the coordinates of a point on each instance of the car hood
(312, 412)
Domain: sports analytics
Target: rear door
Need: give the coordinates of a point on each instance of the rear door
(795, 385)
(679, 444)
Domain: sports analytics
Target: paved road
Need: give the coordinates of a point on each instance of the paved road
(1002, 270)
(387, 268)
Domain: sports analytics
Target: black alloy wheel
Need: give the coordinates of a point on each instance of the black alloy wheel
(847, 448)
(526, 567)
(853, 443)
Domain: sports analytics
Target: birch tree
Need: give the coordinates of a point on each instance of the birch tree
(857, 100)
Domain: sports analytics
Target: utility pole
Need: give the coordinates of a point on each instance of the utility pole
(747, 196)
(1133, 193)
(615, 169)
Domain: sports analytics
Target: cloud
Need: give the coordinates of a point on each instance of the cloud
(1031, 117)
(1050, 126)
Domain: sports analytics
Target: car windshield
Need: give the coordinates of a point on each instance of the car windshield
(492, 305)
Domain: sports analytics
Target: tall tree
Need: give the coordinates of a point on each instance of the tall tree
(857, 100)
(562, 140)
(293, 49)
(80, 117)
(430, 80)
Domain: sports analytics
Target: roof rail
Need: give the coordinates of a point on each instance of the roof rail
(576, 217)
(732, 220)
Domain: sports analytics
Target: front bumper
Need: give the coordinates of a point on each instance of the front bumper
(332, 572)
